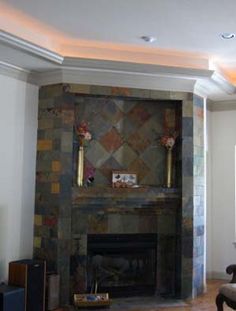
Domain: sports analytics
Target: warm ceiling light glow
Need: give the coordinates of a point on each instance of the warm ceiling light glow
(23, 26)
(227, 35)
(36, 32)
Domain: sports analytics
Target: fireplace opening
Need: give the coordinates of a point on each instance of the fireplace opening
(122, 264)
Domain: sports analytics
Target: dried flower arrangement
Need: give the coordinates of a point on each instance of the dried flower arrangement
(83, 133)
(168, 140)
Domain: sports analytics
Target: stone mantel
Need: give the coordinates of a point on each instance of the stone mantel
(122, 198)
(126, 199)
(123, 209)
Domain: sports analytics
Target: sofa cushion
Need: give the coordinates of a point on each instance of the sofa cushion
(229, 291)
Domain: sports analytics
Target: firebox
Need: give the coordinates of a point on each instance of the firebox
(122, 264)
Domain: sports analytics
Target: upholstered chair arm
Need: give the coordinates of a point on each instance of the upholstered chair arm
(232, 269)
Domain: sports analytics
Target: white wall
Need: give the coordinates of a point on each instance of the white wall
(208, 194)
(18, 131)
(221, 194)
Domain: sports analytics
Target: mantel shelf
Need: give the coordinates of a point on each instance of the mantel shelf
(146, 193)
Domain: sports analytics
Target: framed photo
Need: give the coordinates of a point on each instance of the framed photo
(124, 179)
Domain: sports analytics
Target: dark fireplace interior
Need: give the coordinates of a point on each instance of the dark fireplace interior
(122, 264)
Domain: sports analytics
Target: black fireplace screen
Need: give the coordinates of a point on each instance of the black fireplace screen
(122, 264)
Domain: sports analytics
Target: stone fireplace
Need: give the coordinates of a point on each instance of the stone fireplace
(68, 219)
(143, 225)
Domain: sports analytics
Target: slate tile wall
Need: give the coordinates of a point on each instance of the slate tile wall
(125, 136)
(124, 212)
(52, 232)
(187, 199)
(198, 195)
(52, 240)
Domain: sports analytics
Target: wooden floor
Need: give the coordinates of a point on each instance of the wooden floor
(205, 302)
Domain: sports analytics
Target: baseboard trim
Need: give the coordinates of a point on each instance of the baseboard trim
(217, 275)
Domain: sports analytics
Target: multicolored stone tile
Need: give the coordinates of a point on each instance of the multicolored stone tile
(110, 165)
(139, 124)
(148, 224)
(187, 108)
(79, 222)
(115, 223)
(130, 223)
(169, 119)
(100, 124)
(38, 220)
(138, 142)
(55, 187)
(120, 91)
(96, 154)
(101, 178)
(125, 155)
(50, 113)
(50, 221)
(124, 105)
(66, 141)
(111, 112)
(140, 93)
(138, 115)
(50, 91)
(56, 166)
(37, 242)
(45, 124)
(160, 95)
(139, 166)
(67, 116)
(101, 90)
(80, 88)
(44, 144)
(97, 224)
(153, 129)
(112, 140)
(125, 127)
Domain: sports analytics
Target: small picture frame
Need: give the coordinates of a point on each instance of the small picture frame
(124, 179)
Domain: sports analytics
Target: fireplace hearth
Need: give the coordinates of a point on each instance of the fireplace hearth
(122, 264)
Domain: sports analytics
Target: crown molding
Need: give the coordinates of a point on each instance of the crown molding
(14, 72)
(30, 48)
(216, 88)
(201, 88)
(123, 74)
(128, 75)
(119, 78)
(222, 83)
(135, 68)
(203, 82)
